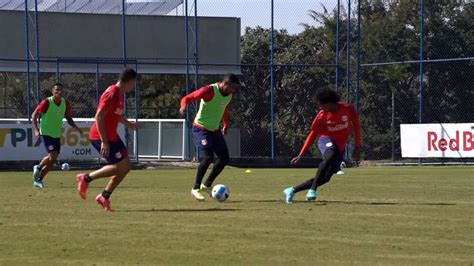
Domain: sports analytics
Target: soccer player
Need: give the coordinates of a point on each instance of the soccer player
(208, 135)
(332, 125)
(105, 139)
(52, 110)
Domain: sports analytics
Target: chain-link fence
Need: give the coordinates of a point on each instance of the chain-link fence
(397, 61)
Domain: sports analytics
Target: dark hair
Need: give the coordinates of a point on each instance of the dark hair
(325, 96)
(57, 85)
(127, 74)
(232, 78)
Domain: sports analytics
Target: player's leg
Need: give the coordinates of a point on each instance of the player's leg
(123, 167)
(53, 147)
(49, 163)
(117, 154)
(202, 141)
(325, 170)
(207, 156)
(220, 148)
(321, 178)
(37, 176)
(332, 157)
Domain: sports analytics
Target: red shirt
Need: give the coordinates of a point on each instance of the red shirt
(205, 93)
(337, 126)
(42, 108)
(111, 101)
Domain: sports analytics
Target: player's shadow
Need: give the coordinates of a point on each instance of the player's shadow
(386, 203)
(184, 210)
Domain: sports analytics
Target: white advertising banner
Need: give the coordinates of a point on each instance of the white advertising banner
(18, 142)
(437, 140)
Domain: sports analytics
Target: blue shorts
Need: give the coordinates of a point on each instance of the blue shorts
(51, 144)
(117, 150)
(211, 140)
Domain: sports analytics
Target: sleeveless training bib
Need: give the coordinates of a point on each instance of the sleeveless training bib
(52, 120)
(210, 113)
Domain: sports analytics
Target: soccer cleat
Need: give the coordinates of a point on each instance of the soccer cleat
(340, 172)
(37, 177)
(311, 195)
(105, 203)
(82, 185)
(197, 193)
(289, 193)
(38, 184)
(207, 190)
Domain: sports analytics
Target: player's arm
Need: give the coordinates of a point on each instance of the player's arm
(206, 93)
(225, 121)
(357, 134)
(34, 121)
(99, 120)
(313, 133)
(40, 109)
(128, 124)
(69, 119)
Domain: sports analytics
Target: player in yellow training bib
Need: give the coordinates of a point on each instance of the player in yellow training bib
(52, 110)
(207, 131)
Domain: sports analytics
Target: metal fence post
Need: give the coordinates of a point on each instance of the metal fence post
(186, 53)
(359, 36)
(97, 82)
(422, 29)
(137, 94)
(58, 75)
(37, 53)
(272, 80)
(348, 52)
(196, 46)
(27, 58)
(196, 56)
(124, 59)
(338, 18)
(124, 37)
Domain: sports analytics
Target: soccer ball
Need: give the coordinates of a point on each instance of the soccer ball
(220, 193)
(65, 167)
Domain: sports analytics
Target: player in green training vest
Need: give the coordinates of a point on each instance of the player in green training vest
(207, 131)
(52, 111)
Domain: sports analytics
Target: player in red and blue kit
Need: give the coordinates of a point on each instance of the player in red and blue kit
(105, 139)
(333, 125)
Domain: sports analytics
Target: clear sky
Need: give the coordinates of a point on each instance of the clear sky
(288, 13)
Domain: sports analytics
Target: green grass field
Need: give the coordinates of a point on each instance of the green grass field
(415, 216)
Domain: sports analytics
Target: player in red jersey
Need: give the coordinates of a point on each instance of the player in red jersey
(105, 139)
(333, 125)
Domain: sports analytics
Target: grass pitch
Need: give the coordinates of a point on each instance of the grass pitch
(416, 216)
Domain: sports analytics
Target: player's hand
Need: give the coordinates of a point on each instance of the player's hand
(133, 126)
(104, 149)
(224, 131)
(37, 133)
(356, 154)
(296, 159)
(182, 111)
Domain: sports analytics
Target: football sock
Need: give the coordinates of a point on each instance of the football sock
(219, 165)
(87, 178)
(106, 194)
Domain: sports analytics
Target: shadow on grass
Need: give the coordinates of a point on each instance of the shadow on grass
(352, 202)
(383, 203)
(182, 210)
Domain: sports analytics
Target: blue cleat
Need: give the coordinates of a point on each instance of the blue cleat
(289, 193)
(38, 184)
(36, 177)
(311, 195)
